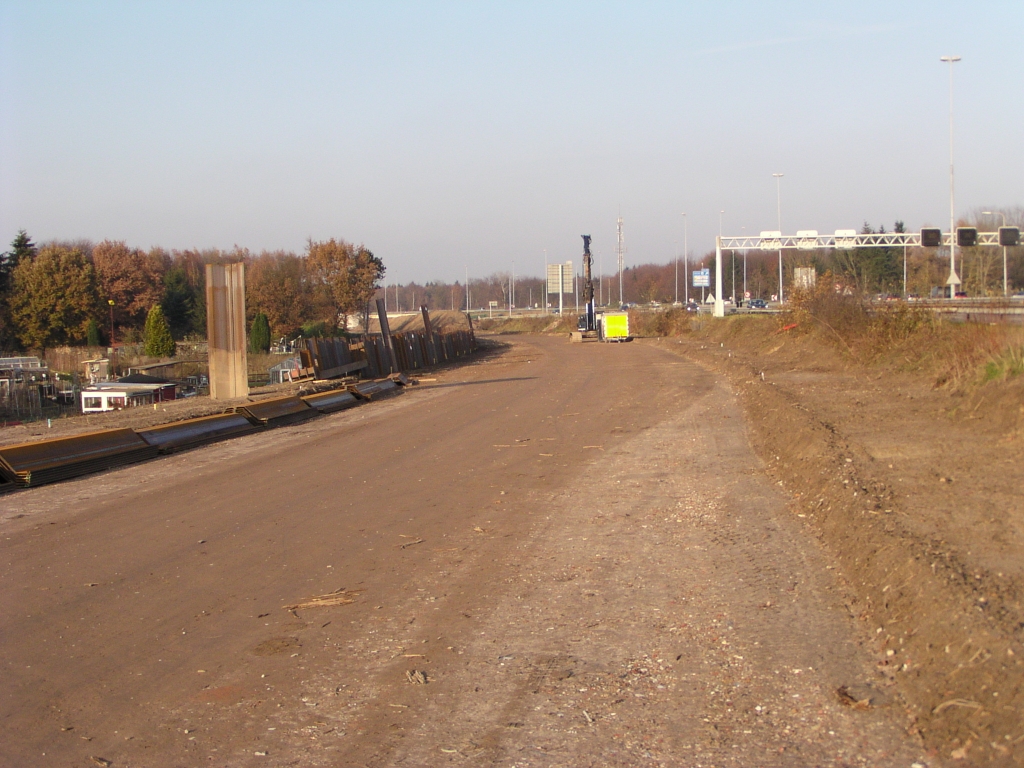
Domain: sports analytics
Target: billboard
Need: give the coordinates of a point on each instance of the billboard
(560, 278)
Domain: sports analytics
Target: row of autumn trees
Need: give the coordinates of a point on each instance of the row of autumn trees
(76, 292)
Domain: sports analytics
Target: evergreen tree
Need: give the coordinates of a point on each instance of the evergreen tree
(159, 342)
(22, 247)
(259, 335)
(178, 302)
(92, 333)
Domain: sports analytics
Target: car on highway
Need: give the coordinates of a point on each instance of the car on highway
(757, 304)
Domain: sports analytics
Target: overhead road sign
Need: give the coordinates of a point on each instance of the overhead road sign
(807, 239)
(560, 278)
(847, 238)
(1009, 236)
(966, 237)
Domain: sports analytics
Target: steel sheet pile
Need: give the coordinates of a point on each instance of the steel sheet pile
(329, 402)
(48, 461)
(277, 412)
(195, 432)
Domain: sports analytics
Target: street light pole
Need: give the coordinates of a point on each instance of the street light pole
(1006, 290)
(676, 299)
(778, 203)
(545, 281)
(744, 268)
(111, 303)
(954, 280)
(686, 266)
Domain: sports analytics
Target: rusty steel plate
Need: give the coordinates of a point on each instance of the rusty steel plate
(193, 432)
(329, 402)
(47, 461)
(277, 412)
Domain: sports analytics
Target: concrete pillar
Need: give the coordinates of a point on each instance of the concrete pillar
(225, 330)
(719, 300)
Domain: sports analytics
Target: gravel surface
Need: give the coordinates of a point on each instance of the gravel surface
(559, 555)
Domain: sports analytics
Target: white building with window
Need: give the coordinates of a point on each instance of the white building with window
(115, 395)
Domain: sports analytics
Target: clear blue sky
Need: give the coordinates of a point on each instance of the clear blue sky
(447, 135)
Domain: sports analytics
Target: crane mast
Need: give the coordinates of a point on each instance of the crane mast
(589, 321)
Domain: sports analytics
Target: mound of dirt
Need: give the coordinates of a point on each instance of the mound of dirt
(443, 321)
(916, 492)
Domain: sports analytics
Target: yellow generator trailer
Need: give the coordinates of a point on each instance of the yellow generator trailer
(615, 326)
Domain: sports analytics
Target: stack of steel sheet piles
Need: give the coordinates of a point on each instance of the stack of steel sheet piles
(194, 432)
(374, 390)
(329, 402)
(48, 461)
(277, 412)
(331, 358)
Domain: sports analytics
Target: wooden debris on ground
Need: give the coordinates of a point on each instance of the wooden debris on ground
(337, 597)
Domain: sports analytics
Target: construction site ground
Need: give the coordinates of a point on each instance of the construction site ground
(557, 555)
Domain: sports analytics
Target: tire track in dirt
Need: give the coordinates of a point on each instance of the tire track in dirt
(667, 610)
(946, 631)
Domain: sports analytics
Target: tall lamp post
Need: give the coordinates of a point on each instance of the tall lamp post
(111, 303)
(1006, 291)
(954, 280)
(676, 299)
(744, 229)
(686, 266)
(778, 203)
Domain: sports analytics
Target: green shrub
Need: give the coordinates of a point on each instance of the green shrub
(158, 339)
(259, 334)
(92, 334)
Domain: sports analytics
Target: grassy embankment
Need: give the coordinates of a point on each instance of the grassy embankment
(902, 338)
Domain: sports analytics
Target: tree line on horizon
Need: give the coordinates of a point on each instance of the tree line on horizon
(78, 292)
(67, 293)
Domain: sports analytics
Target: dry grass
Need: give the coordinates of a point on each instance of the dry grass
(535, 324)
(908, 338)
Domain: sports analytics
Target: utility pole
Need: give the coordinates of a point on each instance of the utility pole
(778, 202)
(620, 250)
(686, 266)
(954, 280)
(545, 281)
(1006, 286)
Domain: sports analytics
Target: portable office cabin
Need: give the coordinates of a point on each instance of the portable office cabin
(115, 395)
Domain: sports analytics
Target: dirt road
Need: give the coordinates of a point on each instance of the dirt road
(562, 555)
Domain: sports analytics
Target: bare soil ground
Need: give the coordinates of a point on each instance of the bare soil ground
(916, 493)
(548, 557)
(442, 321)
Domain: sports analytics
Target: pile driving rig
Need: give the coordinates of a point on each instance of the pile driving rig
(609, 326)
